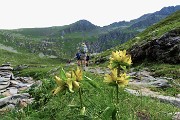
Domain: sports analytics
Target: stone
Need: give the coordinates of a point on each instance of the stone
(3, 86)
(161, 83)
(6, 93)
(4, 101)
(165, 48)
(6, 68)
(5, 83)
(176, 116)
(2, 90)
(2, 79)
(146, 92)
(13, 91)
(178, 95)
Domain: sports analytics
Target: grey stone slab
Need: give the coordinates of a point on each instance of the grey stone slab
(4, 86)
(2, 79)
(3, 90)
(5, 83)
(6, 68)
(13, 91)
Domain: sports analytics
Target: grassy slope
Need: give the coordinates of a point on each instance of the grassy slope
(97, 99)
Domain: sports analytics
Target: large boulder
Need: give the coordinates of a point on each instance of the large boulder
(166, 49)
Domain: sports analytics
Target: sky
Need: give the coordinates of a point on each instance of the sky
(46, 13)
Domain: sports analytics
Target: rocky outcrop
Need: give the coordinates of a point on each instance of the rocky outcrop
(112, 39)
(146, 92)
(11, 89)
(166, 49)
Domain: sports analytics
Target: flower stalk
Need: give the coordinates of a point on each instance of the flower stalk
(80, 97)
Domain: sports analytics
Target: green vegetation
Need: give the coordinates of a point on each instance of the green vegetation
(20, 58)
(97, 99)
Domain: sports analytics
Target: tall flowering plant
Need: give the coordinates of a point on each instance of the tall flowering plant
(70, 81)
(119, 61)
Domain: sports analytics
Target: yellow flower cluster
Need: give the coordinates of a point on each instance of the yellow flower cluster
(120, 58)
(68, 80)
(113, 79)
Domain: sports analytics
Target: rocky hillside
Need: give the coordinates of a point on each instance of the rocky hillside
(164, 49)
(120, 32)
(160, 42)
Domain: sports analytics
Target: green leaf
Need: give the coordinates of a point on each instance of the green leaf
(114, 112)
(85, 117)
(109, 113)
(123, 67)
(92, 82)
(63, 74)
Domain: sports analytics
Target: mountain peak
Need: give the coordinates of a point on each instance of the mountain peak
(81, 25)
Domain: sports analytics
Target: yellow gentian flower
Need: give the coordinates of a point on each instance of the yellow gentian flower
(61, 85)
(70, 81)
(123, 80)
(78, 74)
(113, 79)
(120, 58)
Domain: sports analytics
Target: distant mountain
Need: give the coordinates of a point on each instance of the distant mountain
(151, 18)
(62, 41)
(120, 32)
(159, 42)
(79, 26)
(145, 20)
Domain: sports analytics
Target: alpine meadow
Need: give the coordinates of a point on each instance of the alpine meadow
(132, 71)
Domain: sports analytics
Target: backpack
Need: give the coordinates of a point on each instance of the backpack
(78, 55)
(83, 49)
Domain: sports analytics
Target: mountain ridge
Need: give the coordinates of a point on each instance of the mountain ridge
(62, 41)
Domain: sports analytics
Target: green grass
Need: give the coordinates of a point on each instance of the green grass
(98, 98)
(26, 58)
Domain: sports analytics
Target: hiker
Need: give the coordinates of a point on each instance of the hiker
(78, 57)
(87, 60)
(83, 52)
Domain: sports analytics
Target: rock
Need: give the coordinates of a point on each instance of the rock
(10, 86)
(143, 78)
(2, 79)
(176, 116)
(178, 95)
(161, 83)
(7, 108)
(13, 91)
(6, 68)
(21, 67)
(4, 101)
(20, 84)
(169, 99)
(6, 93)
(2, 91)
(146, 92)
(164, 49)
(3, 86)
(5, 83)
